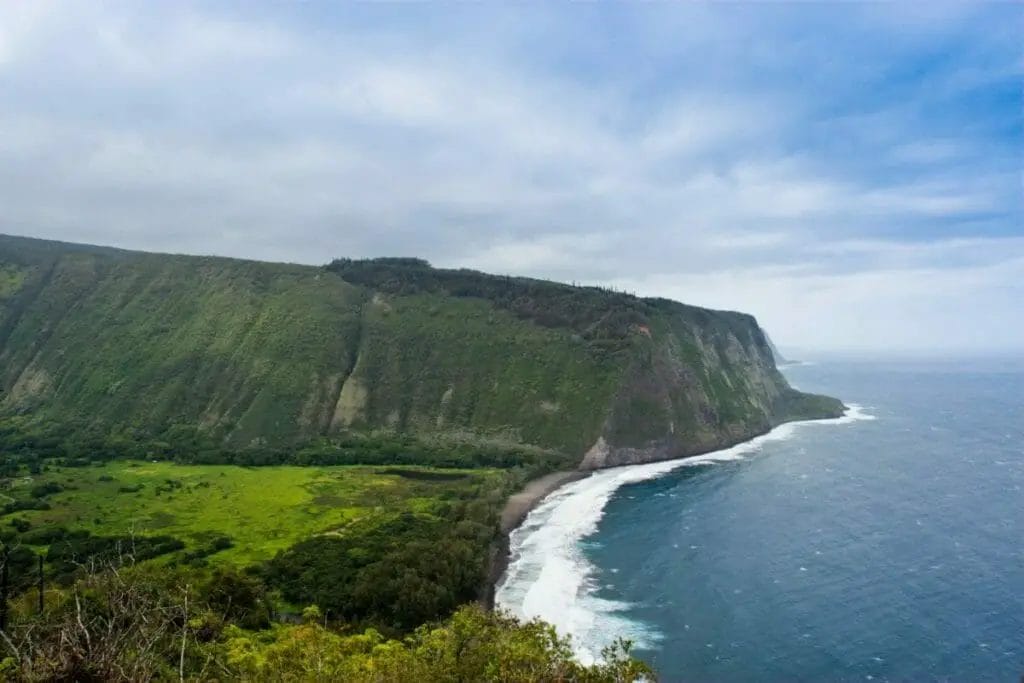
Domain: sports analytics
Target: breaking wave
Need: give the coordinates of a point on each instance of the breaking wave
(549, 575)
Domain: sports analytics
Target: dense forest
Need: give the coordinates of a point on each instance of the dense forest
(26, 442)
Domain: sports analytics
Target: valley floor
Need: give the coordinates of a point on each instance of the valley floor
(259, 510)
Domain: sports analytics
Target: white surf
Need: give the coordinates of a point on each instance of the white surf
(549, 575)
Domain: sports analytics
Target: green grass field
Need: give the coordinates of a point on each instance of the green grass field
(262, 509)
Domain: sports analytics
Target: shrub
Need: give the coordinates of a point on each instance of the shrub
(148, 624)
(44, 536)
(43, 490)
(18, 505)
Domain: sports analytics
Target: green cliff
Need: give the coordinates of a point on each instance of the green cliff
(256, 354)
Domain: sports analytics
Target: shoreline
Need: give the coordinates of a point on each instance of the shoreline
(520, 504)
(517, 508)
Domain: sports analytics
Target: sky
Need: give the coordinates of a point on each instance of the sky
(851, 174)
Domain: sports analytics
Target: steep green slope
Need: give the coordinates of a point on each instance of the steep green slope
(257, 353)
(431, 364)
(619, 378)
(252, 350)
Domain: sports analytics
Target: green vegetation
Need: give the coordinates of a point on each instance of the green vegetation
(151, 624)
(191, 357)
(202, 449)
(459, 366)
(261, 510)
(24, 442)
(601, 317)
(390, 547)
(796, 405)
(245, 350)
(395, 573)
(473, 645)
(371, 556)
(11, 279)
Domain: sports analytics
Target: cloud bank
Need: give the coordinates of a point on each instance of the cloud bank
(849, 174)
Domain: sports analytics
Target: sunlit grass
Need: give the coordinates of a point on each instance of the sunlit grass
(262, 509)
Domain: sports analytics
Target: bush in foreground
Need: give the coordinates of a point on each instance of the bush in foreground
(472, 645)
(152, 624)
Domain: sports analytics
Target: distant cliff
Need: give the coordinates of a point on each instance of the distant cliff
(260, 353)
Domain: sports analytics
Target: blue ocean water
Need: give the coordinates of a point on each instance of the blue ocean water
(859, 549)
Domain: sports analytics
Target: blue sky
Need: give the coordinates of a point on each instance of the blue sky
(851, 174)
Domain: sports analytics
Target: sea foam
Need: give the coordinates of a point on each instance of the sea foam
(549, 575)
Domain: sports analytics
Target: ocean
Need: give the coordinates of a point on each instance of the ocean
(886, 545)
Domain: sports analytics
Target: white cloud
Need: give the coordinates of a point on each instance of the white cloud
(676, 173)
(912, 309)
(20, 26)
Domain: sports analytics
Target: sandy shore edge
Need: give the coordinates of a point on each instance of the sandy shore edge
(516, 509)
(519, 504)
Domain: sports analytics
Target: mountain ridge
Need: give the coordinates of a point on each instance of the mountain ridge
(253, 353)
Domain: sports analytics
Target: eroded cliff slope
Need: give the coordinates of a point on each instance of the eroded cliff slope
(258, 353)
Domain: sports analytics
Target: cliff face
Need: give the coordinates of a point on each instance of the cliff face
(258, 353)
(702, 380)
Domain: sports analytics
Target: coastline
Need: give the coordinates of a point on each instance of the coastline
(552, 578)
(521, 503)
(516, 509)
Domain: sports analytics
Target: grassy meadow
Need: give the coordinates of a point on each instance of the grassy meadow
(262, 510)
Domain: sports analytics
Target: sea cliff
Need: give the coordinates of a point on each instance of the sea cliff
(255, 354)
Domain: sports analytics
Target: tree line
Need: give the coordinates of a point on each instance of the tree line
(26, 445)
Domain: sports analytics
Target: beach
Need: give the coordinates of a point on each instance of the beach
(517, 507)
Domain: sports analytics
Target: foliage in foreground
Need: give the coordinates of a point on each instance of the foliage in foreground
(472, 645)
(150, 624)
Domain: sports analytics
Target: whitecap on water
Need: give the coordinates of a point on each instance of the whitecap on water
(549, 575)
